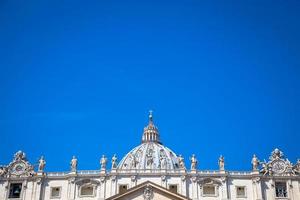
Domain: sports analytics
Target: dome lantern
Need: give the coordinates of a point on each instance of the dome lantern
(151, 133)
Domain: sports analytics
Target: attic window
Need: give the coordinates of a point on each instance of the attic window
(15, 190)
(209, 190)
(87, 190)
(240, 191)
(280, 189)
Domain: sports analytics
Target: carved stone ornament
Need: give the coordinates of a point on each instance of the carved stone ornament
(133, 178)
(72, 180)
(19, 167)
(209, 181)
(194, 178)
(163, 178)
(278, 165)
(255, 180)
(39, 180)
(183, 178)
(148, 193)
(113, 178)
(223, 179)
(102, 179)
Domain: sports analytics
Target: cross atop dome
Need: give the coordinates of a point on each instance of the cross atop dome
(151, 133)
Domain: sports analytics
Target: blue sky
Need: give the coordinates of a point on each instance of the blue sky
(78, 78)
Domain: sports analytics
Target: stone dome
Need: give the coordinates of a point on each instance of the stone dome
(151, 154)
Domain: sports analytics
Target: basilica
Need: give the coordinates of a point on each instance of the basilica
(151, 171)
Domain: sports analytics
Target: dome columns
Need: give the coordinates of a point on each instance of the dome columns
(151, 133)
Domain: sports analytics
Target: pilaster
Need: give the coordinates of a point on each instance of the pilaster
(224, 186)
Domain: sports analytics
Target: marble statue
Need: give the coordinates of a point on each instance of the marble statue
(289, 167)
(3, 171)
(181, 162)
(134, 162)
(276, 154)
(297, 166)
(103, 162)
(114, 162)
(73, 164)
(255, 163)
(149, 158)
(42, 164)
(221, 163)
(194, 162)
(163, 162)
(265, 168)
(19, 156)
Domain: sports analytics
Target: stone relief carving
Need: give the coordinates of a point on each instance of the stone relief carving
(133, 178)
(72, 180)
(148, 193)
(194, 178)
(162, 159)
(150, 157)
(183, 178)
(134, 162)
(19, 167)
(279, 165)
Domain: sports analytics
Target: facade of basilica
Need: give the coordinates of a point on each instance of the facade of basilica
(151, 171)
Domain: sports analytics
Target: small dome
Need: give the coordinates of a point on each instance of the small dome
(150, 155)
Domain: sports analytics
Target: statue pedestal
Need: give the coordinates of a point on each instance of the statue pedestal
(193, 171)
(103, 171)
(73, 173)
(255, 172)
(40, 173)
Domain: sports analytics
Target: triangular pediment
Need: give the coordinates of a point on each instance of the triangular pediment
(148, 191)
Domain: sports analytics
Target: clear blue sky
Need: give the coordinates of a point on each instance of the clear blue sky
(78, 78)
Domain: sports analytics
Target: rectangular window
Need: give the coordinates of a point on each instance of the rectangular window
(173, 188)
(87, 190)
(15, 190)
(280, 189)
(55, 192)
(209, 190)
(122, 189)
(240, 191)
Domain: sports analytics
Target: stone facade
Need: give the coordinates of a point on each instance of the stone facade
(151, 171)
